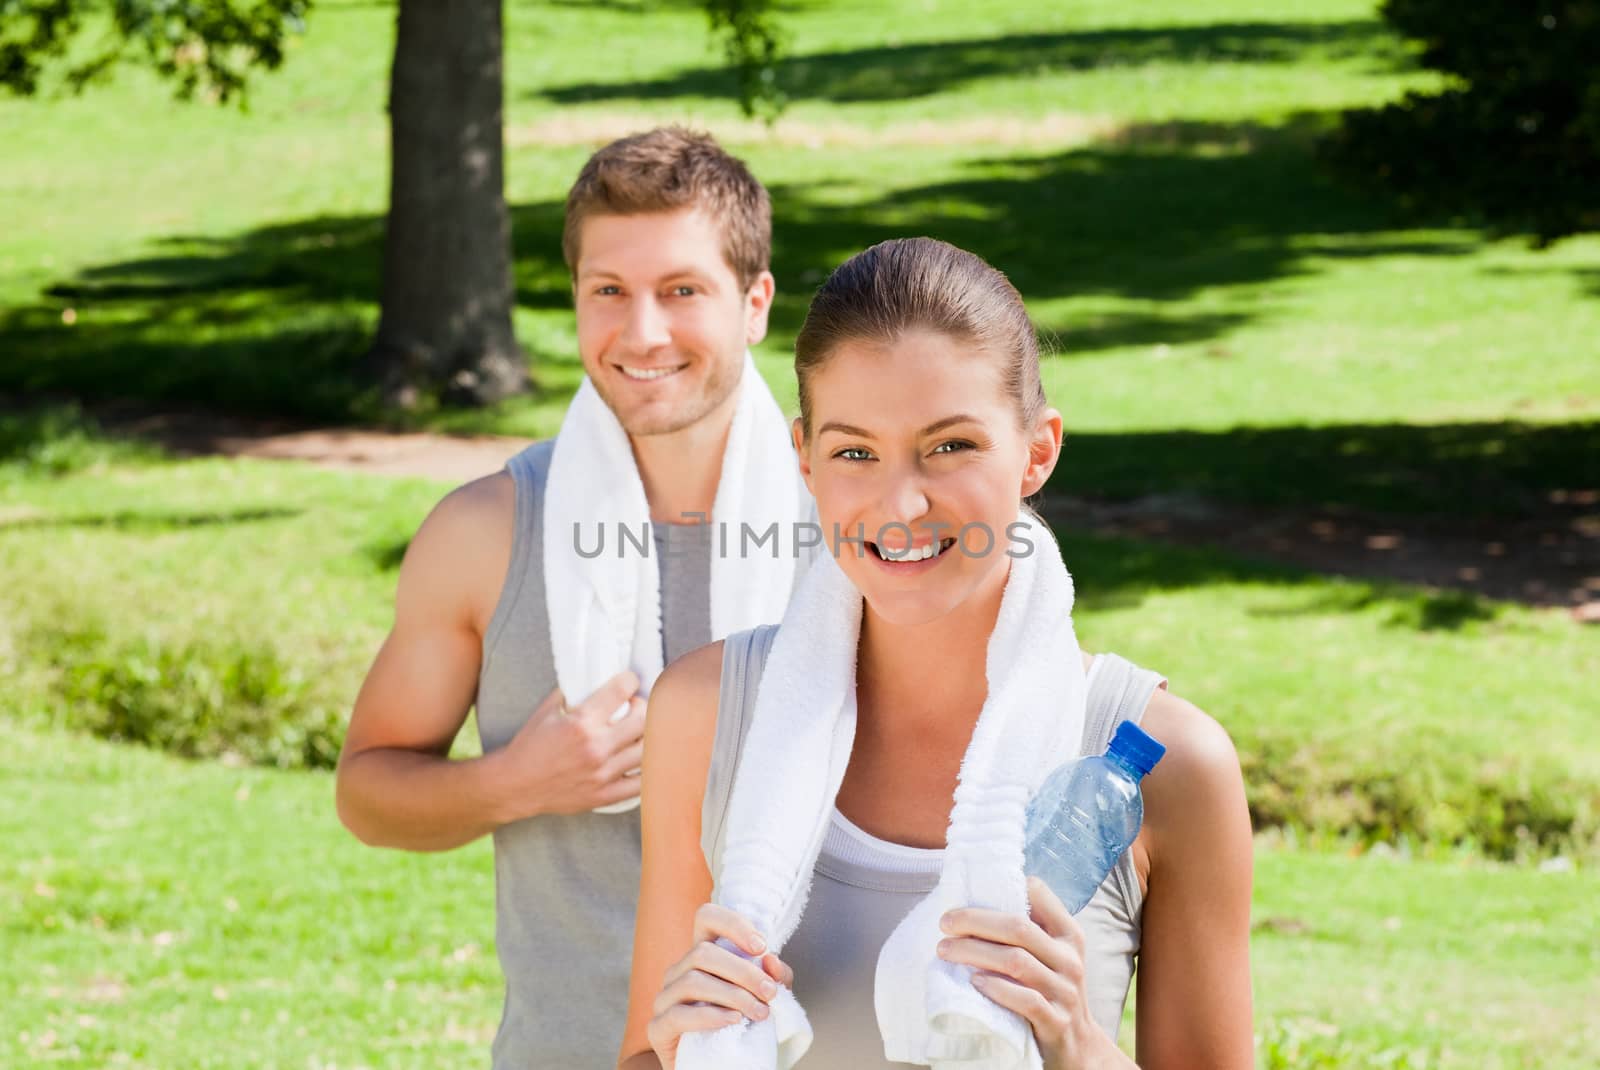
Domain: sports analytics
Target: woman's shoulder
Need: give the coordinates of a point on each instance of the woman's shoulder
(1198, 782)
(686, 691)
(681, 718)
(695, 671)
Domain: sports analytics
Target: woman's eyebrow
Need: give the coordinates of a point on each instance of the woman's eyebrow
(844, 429)
(949, 421)
(933, 428)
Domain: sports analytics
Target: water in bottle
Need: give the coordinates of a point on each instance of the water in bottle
(1087, 814)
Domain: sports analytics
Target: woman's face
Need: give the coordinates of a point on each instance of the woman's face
(915, 449)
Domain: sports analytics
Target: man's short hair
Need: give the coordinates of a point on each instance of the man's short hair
(667, 169)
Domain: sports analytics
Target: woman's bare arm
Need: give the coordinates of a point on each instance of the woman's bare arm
(1194, 999)
(680, 726)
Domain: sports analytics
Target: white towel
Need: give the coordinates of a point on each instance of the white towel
(605, 610)
(794, 758)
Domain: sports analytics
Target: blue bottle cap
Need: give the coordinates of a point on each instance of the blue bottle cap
(1136, 747)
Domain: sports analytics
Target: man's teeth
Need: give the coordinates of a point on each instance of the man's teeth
(918, 553)
(650, 373)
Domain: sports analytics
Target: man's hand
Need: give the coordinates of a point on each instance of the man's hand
(571, 758)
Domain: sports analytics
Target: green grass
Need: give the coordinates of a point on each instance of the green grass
(230, 607)
(1203, 274)
(165, 914)
(1230, 323)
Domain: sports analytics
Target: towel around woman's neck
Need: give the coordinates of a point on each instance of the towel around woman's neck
(605, 609)
(794, 759)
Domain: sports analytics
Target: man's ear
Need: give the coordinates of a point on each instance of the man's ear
(1044, 450)
(757, 307)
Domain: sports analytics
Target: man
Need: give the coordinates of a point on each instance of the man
(505, 603)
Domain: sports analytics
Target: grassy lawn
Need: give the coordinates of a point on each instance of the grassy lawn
(1229, 322)
(165, 914)
(1229, 319)
(134, 586)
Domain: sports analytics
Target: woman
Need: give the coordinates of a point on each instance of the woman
(945, 338)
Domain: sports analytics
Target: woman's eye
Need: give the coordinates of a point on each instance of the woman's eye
(854, 453)
(952, 447)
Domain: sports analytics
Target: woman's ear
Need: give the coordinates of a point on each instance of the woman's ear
(1044, 449)
(798, 431)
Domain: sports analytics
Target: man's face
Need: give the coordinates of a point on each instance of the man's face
(662, 320)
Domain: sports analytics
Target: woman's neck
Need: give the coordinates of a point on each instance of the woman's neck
(930, 672)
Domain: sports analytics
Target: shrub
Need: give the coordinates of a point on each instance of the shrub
(199, 698)
(59, 439)
(1516, 141)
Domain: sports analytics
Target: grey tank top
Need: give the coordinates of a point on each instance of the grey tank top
(566, 885)
(862, 886)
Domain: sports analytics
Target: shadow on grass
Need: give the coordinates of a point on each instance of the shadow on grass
(1161, 214)
(1424, 611)
(275, 320)
(1587, 278)
(134, 522)
(1115, 573)
(901, 72)
(1479, 469)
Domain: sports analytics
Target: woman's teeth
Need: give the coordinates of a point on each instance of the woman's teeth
(646, 374)
(917, 553)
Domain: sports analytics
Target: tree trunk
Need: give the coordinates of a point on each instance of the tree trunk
(445, 326)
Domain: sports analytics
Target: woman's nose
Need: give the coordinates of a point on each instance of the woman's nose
(905, 500)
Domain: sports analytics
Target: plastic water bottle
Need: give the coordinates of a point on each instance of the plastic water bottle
(1087, 814)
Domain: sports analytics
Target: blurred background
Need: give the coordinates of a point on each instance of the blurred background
(1323, 288)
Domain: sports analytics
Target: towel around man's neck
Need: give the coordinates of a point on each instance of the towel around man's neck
(605, 610)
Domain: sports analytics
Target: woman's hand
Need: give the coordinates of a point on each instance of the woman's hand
(1034, 966)
(711, 986)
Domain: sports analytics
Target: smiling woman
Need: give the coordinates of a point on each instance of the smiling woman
(942, 640)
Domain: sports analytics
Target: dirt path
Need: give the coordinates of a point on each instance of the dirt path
(1551, 558)
(1548, 558)
(427, 454)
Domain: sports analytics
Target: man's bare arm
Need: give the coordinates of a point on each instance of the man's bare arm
(397, 787)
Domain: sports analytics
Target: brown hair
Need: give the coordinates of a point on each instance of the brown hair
(921, 283)
(666, 169)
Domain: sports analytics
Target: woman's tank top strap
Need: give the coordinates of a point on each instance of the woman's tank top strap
(744, 655)
(1118, 691)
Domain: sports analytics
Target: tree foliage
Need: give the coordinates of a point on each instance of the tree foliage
(204, 46)
(752, 43)
(210, 46)
(446, 327)
(1516, 139)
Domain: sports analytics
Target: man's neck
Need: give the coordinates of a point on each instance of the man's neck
(681, 470)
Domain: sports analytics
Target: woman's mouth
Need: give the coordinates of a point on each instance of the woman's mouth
(910, 557)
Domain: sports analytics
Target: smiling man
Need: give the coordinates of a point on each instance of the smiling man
(504, 605)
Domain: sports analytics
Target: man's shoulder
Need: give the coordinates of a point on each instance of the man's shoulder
(462, 551)
(492, 499)
(466, 511)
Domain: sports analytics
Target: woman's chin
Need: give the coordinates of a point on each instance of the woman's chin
(909, 609)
